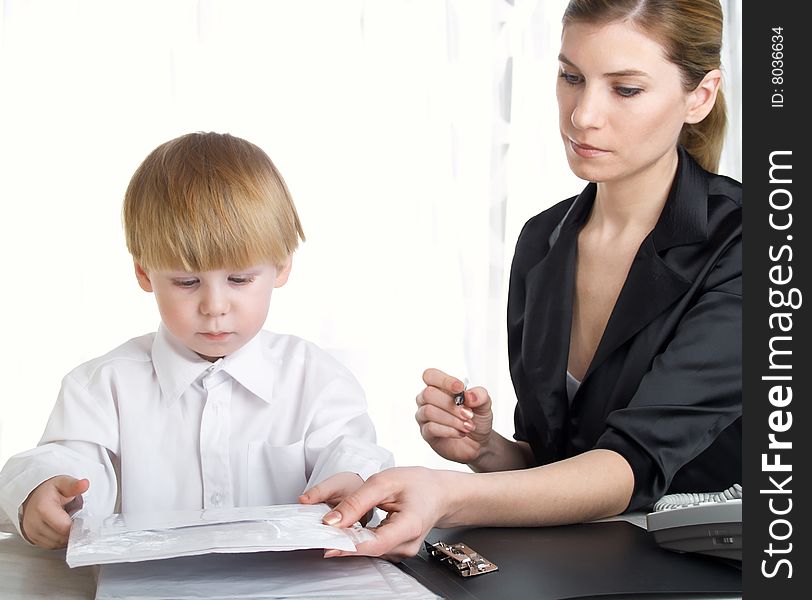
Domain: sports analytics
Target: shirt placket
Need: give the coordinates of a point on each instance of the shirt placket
(215, 428)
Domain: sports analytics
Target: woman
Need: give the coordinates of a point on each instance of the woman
(624, 311)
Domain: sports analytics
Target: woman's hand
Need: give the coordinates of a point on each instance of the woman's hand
(333, 490)
(416, 498)
(458, 433)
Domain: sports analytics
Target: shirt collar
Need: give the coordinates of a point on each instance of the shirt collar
(177, 367)
(251, 366)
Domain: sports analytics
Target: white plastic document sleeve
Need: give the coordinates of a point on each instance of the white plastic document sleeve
(150, 536)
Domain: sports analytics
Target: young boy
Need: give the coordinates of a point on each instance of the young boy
(210, 411)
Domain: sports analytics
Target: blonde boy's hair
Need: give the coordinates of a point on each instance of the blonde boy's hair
(207, 201)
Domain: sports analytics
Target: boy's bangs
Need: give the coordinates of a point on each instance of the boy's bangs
(206, 202)
(212, 242)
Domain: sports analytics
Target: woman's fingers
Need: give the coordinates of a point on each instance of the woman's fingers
(477, 397)
(444, 381)
(441, 388)
(356, 505)
(447, 422)
(433, 397)
(399, 536)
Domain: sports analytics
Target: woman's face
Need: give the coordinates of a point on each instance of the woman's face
(621, 103)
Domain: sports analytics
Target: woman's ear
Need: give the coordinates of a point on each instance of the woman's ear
(143, 277)
(283, 271)
(702, 99)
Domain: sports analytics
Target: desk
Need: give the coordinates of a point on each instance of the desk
(28, 573)
(577, 561)
(614, 560)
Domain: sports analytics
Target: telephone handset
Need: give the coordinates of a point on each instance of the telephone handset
(707, 523)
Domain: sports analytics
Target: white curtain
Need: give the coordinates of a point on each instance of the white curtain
(416, 137)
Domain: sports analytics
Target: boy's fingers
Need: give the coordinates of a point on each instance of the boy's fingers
(44, 538)
(74, 505)
(52, 540)
(70, 487)
(319, 492)
(56, 519)
(48, 530)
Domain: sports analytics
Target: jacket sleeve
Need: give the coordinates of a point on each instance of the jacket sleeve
(692, 392)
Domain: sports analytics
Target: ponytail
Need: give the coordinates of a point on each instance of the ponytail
(704, 140)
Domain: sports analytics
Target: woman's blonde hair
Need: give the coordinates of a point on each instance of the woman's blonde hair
(207, 201)
(690, 31)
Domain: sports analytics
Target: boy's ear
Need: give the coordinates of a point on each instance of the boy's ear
(143, 277)
(703, 98)
(283, 271)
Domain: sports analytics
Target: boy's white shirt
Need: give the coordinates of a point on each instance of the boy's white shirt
(155, 427)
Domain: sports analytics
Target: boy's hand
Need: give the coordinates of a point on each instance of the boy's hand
(333, 490)
(46, 518)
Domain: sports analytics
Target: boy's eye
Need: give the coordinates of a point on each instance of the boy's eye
(184, 283)
(241, 279)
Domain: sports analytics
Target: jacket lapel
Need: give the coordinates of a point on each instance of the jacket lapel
(652, 285)
(650, 288)
(550, 285)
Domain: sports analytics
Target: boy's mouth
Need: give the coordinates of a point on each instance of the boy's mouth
(215, 336)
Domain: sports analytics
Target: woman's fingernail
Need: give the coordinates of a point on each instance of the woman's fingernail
(467, 413)
(468, 425)
(331, 518)
(331, 553)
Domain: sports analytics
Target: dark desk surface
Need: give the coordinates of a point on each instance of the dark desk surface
(595, 560)
(614, 560)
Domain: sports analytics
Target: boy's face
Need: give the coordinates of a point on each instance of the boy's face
(214, 313)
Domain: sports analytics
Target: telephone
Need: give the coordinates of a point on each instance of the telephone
(707, 523)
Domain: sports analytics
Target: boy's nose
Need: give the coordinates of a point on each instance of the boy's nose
(214, 303)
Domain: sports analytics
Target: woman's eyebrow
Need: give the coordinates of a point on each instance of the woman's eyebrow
(623, 73)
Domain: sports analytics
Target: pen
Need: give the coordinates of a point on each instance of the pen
(460, 398)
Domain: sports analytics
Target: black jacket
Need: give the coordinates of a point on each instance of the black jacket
(664, 387)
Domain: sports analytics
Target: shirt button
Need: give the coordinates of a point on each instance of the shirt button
(216, 498)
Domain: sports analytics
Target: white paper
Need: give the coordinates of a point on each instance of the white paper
(150, 536)
(275, 575)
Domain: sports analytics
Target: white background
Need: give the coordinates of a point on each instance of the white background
(416, 138)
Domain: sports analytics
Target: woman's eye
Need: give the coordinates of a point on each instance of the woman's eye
(628, 92)
(570, 78)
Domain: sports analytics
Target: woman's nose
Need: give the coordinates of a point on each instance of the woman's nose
(589, 110)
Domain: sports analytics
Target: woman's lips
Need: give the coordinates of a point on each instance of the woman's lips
(586, 151)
